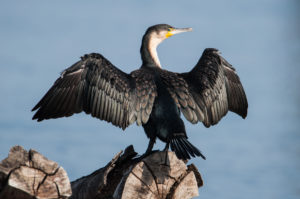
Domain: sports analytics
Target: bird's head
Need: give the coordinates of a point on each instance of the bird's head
(160, 32)
(153, 37)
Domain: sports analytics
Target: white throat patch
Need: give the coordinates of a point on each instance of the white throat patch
(155, 40)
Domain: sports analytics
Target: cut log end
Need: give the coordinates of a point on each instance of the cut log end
(31, 175)
(160, 175)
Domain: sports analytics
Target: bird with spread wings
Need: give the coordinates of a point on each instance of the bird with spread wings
(150, 96)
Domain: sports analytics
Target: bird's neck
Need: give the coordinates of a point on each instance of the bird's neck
(148, 51)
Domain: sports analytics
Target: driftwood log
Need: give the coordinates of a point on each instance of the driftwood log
(158, 176)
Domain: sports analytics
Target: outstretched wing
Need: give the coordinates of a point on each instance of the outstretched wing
(209, 90)
(216, 88)
(95, 86)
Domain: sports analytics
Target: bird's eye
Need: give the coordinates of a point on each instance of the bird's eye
(169, 29)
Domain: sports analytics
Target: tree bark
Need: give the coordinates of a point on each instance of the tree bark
(159, 176)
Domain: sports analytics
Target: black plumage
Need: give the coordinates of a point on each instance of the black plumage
(150, 96)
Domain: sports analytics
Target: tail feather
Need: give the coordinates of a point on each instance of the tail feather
(184, 149)
(175, 147)
(196, 151)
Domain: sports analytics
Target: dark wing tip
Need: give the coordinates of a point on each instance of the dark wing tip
(245, 113)
(35, 108)
(37, 117)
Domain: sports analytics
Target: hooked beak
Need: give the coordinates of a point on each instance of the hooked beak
(180, 30)
(177, 31)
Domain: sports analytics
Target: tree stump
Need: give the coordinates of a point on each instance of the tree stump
(30, 175)
(158, 176)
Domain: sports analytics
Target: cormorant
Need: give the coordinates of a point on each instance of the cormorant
(150, 96)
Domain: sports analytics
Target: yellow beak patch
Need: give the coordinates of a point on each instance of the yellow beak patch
(169, 34)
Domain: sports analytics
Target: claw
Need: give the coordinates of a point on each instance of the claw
(147, 153)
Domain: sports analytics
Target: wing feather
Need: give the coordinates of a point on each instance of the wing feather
(208, 91)
(95, 86)
(179, 91)
(216, 88)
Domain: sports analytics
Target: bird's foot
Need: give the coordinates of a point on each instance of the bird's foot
(147, 153)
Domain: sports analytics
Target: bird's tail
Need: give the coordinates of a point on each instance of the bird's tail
(184, 149)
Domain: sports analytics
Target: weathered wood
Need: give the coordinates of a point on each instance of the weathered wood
(158, 176)
(30, 175)
(102, 183)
